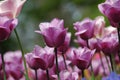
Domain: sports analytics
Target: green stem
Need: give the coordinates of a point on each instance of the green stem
(36, 78)
(82, 73)
(3, 66)
(57, 64)
(47, 74)
(112, 59)
(118, 30)
(93, 77)
(111, 62)
(64, 61)
(108, 63)
(20, 45)
(102, 63)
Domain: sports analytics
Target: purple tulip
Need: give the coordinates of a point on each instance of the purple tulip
(94, 44)
(64, 47)
(85, 28)
(6, 27)
(42, 75)
(67, 75)
(53, 32)
(99, 26)
(40, 58)
(14, 65)
(81, 57)
(61, 64)
(81, 41)
(11, 8)
(98, 67)
(109, 30)
(111, 9)
(109, 44)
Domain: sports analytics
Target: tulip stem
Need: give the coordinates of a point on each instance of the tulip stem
(93, 77)
(118, 31)
(64, 61)
(3, 66)
(111, 61)
(36, 78)
(108, 63)
(91, 63)
(57, 64)
(20, 45)
(102, 63)
(47, 74)
(82, 73)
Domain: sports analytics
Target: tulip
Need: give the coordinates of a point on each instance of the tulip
(85, 28)
(64, 47)
(99, 26)
(42, 75)
(67, 75)
(109, 30)
(53, 32)
(14, 64)
(81, 57)
(94, 44)
(40, 58)
(11, 8)
(81, 41)
(6, 27)
(109, 44)
(111, 9)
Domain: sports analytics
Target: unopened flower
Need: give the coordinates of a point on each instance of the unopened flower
(6, 27)
(53, 32)
(11, 8)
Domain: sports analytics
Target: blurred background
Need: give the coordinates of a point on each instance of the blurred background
(36, 11)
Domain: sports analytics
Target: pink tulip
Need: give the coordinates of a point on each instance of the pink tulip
(85, 28)
(94, 44)
(64, 47)
(11, 8)
(81, 41)
(42, 75)
(40, 58)
(67, 75)
(111, 9)
(109, 44)
(81, 57)
(14, 64)
(6, 27)
(53, 32)
(99, 26)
